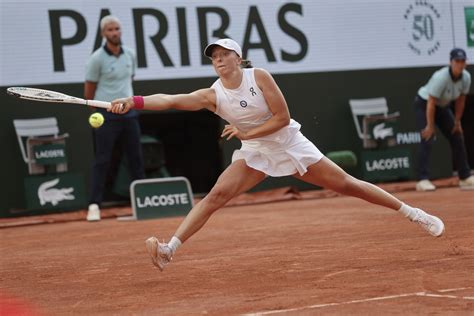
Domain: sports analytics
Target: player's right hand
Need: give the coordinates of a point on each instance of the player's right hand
(457, 128)
(427, 132)
(121, 106)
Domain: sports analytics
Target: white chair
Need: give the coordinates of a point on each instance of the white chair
(33, 132)
(365, 111)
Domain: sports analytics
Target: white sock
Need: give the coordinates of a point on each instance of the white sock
(408, 211)
(174, 244)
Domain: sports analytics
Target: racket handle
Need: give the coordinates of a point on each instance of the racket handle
(98, 104)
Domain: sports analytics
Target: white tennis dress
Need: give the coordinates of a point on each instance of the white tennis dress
(284, 152)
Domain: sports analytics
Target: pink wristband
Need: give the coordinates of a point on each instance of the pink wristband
(138, 102)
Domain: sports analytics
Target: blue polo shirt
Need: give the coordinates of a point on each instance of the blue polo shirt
(442, 86)
(113, 75)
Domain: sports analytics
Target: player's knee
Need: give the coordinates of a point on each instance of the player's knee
(218, 196)
(457, 139)
(345, 185)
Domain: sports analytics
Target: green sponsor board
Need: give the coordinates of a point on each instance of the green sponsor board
(386, 165)
(162, 197)
(50, 154)
(469, 17)
(60, 191)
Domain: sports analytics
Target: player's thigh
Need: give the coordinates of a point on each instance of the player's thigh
(420, 114)
(238, 178)
(131, 143)
(324, 173)
(445, 121)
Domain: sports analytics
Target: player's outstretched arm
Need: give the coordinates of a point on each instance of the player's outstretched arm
(197, 100)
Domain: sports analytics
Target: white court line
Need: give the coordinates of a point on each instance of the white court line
(332, 304)
(446, 296)
(455, 289)
(380, 298)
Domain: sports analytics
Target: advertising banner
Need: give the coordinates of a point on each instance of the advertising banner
(469, 18)
(61, 191)
(50, 154)
(47, 42)
(387, 164)
(162, 197)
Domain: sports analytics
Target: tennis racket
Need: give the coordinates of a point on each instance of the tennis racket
(52, 96)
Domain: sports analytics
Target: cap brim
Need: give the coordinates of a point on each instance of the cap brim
(208, 49)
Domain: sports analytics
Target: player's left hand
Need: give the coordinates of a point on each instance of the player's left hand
(457, 128)
(232, 131)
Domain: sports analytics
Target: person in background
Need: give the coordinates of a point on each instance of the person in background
(432, 107)
(109, 75)
(272, 144)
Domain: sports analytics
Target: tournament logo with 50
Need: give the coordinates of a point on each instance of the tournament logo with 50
(423, 24)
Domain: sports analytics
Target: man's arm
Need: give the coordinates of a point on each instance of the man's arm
(459, 105)
(89, 90)
(92, 77)
(429, 130)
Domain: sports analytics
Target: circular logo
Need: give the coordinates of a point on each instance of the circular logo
(243, 103)
(423, 27)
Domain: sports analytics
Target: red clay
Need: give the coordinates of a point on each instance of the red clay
(255, 258)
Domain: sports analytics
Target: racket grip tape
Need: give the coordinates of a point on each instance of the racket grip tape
(98, 104)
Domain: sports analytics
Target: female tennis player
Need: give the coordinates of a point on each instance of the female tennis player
(272, 144)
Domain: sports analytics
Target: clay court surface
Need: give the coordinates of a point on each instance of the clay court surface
(335, 256)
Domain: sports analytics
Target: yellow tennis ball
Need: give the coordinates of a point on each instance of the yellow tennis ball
(96, 120)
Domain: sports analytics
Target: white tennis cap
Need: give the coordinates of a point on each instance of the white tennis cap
(227, 43)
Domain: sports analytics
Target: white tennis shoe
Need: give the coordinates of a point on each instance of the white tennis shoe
(425, 185)
(93, 213)
(430, 223)
(160, 253)
(467, 184)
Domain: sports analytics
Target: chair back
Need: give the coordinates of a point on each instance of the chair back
(366, 107)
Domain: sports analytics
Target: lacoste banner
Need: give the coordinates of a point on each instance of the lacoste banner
(61, 191)
(388, 164)
(162, 197)
(281, 36)
(50, 154)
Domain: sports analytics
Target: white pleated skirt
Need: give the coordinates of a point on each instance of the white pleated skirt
(279, 159)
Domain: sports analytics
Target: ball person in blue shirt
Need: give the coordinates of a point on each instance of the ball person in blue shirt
(432, 107)
(109, 75)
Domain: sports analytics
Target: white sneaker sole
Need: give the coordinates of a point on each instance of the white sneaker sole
(93, 218)
(425, 189)
(440, 225)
